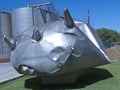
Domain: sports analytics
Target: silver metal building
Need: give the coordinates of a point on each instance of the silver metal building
(5, 29)
(26, 17)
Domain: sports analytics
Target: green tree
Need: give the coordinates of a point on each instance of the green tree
(108, 35)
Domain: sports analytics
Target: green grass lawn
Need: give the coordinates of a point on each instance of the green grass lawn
(106, 77)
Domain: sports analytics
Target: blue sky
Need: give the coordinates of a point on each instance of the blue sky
(103, 13)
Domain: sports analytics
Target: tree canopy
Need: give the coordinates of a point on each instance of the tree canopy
(108, 35)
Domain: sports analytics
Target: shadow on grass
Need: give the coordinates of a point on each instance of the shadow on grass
(92, 76)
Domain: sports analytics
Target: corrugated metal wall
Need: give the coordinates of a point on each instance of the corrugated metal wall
(5, 29)
(24, 18)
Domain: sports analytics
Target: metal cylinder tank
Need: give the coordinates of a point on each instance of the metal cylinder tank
(24, 18)
(5, 29)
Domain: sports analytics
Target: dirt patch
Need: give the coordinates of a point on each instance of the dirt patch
(114, 53)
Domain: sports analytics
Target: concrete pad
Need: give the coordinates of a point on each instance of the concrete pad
(7, 72)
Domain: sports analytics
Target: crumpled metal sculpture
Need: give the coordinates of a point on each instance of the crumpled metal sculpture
(58, 50)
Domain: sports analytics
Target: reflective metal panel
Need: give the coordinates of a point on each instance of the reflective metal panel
(24, 18)
(21, 20)
(59, 50)
(5, 29)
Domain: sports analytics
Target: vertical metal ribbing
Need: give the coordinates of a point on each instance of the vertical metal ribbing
(1, 37)
(33, 16)
(5, 29)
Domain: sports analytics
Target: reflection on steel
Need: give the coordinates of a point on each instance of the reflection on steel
(58, 50)
(68, 19)
(5, 29)
(24, 18)
(10, 41)
(36, 35)
(27, 70)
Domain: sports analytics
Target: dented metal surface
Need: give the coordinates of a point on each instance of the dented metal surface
(55, 49)
(58, 47)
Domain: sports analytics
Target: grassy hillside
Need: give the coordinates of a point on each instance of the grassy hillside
(105, 77)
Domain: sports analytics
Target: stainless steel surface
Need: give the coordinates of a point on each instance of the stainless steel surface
(36, 35)
(58, 48)
(27, 70)
(61, 50)
(10, 41)
(68, 19)
(5, 29)
(24, 18)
